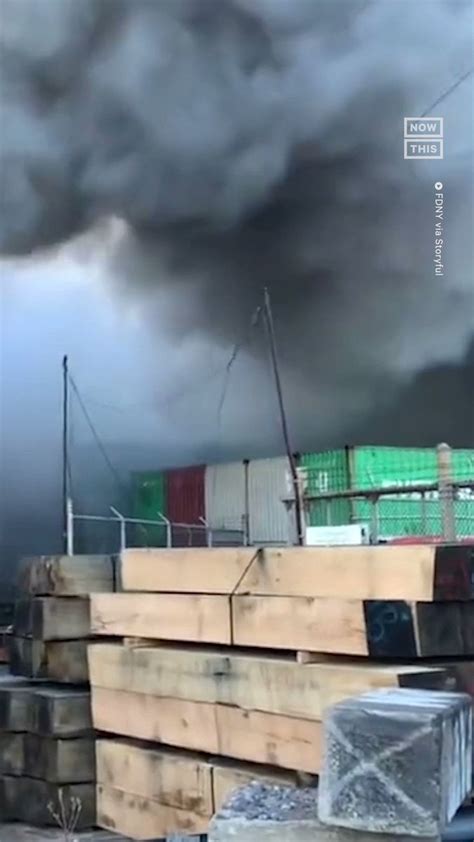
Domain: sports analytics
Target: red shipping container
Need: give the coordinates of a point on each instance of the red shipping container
(185, 499)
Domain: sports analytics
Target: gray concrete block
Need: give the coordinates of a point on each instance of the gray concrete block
(396, 761)
(261, 813)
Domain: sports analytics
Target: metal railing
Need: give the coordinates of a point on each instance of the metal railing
(398, 512)
(441, 508)
(175, 534)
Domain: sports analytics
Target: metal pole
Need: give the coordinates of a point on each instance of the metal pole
(446, 491)
(65, 492)
(246, 518)
(284, 423)
(69, 527)
(123, 528)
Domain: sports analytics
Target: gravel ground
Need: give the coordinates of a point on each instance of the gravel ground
(272, 803)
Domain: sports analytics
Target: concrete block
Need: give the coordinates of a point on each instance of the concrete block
(263, 813)
(396, 761)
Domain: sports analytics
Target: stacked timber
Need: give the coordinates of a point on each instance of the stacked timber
(47, 742)
(225, 660)
(51, 627)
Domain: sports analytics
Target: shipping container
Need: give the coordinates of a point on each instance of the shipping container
(226, 495)
(149, 500)
(185, 504)
(269, 519)
(322, 473)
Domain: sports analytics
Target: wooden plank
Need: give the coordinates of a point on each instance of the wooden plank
(52, 618)
(269, 738)
(249, 681)
(60, 761)
(171, 721)
(326, 625)
(380, 629)
(26, 799)
(214, 729)
(190, 617)
(143, 818)
(58, 660)
(411, 573)
(177, 780)
(59, 575)
(60, 711)
(15, 708)
(211, 570)
(12, 754)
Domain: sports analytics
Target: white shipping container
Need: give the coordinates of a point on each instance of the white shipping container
(224, 487)
(269, 520)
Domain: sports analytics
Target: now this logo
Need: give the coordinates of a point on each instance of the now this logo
(423, 137)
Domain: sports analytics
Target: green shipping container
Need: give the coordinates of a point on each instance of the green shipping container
(378, 467)
(409, 514)
(327, 471)
(149, 498)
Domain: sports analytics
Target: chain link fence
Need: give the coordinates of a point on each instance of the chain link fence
(410, 494)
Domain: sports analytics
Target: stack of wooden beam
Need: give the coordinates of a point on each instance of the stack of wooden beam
(51, 627)
(47, 742)
(229, 656)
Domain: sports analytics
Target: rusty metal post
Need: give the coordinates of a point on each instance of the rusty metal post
(446, 491)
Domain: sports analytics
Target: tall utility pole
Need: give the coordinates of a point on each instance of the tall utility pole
(65, 494)
(284, 423)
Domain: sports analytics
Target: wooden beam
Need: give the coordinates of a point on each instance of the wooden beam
(325, 625)
(412, 573)
(214, 729)
(12, 754)
(250, 681)
(190, 617)
(142, 818)
(52, 618)
(211, 570)
(66, 575)
(61, 711)
(60, 761)
(27, 799)
(379, 629)
(183, 781)
(15, 708)
(57, 660)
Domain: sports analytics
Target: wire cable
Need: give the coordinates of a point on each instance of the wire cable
(96, 436)
(449, 91)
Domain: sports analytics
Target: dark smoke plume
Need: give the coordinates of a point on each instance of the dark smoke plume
(252, 142)
(245, 143)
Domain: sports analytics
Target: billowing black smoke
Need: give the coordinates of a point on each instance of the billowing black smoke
(252, 142)
(246, 143)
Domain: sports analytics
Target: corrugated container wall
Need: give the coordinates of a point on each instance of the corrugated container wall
(225, 495)
(149, 499)
(325, 472)
(185, 501)
(269, 519)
